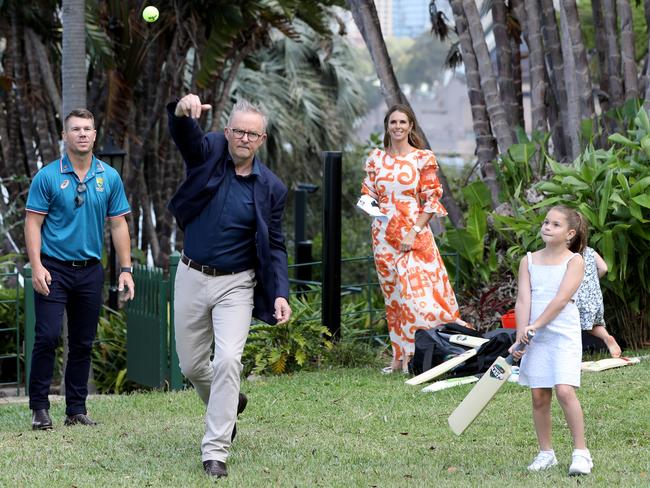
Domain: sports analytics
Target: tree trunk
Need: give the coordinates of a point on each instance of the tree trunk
(536, 64)
(573, 110)
(486, 148)
(504, 60)
(73, 62)
(558, 116)
(46, 72)
(26, 136)
(601, 48)
(581, 64)
(627, 50)
(498, 120)
(517, 10)
(613, 54)
(45, 145)
(367, 21)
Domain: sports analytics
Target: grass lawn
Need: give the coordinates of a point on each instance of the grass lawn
(334, 428)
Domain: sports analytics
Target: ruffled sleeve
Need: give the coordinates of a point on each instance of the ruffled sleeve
(429, 187)
(370, 167)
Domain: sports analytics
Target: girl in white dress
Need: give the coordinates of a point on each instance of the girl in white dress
(548, 282)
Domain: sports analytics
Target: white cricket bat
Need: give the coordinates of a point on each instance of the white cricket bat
(477, 399)
(449, 383)
(610, 363)
(466, 340)
(442, 368)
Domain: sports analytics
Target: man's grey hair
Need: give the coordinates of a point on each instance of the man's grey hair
(243, 105)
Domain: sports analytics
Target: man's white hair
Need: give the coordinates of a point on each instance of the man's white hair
(243, 105)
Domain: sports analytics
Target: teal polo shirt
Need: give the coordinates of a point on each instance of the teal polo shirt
(71, 231)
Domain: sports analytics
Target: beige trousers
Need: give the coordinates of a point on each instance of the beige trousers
(207, 310)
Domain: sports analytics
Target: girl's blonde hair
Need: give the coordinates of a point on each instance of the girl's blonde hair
(578, 223)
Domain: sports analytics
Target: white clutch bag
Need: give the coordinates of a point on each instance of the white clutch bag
(370, 206)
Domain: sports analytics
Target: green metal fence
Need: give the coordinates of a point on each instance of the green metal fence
(150, 351)
(11, 355)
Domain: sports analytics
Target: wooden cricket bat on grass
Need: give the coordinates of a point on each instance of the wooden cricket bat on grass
(442, 368)
(449, 383)
(610, 363)
(477, 399)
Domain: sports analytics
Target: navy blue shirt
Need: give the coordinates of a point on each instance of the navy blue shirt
(223, 234)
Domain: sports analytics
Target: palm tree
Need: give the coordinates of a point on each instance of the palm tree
(73, 55)
(486, 147)
(627, 50)
(502, 131)
(537, 67)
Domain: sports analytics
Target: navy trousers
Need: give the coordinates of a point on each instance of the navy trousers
(78, 290)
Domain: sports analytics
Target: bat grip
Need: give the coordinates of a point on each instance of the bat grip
(510, 359)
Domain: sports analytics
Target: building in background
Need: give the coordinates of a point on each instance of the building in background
(410, 18)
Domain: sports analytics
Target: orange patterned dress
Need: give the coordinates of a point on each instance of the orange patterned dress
(415, 284)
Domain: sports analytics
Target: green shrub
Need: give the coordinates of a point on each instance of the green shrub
(109, 353)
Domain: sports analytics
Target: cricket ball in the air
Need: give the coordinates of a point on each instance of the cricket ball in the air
(150, 14)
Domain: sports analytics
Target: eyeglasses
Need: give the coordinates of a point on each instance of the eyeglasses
(239, 134)
(79, 199)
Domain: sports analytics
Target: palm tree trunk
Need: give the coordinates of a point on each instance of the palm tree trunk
(581, 64)
(367, 21)
(46, 71)
(24, 132)
(504, 60)
(627, 50)
(601, 49)
(536, 64)
(519, 13)
(503, 132)
(553, 54)
(572, 129)
(613, 54)
(46, 146)
(486, 147)
(73, 55)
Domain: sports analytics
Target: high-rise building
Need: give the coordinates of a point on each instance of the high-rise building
(410, 18)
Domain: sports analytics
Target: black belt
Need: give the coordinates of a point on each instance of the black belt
(209, 270)
(81, 263)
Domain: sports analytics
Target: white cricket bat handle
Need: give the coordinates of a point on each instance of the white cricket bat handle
(510, 359)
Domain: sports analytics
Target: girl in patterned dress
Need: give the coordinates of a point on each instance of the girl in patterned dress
(402, 179)
(547, 285)
(590, 301)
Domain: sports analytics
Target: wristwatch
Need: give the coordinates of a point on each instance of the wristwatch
(126, 269)
(417, 229)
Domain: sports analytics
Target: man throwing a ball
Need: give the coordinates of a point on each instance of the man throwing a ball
(234, 262)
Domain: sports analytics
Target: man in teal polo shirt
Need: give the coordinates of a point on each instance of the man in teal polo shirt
(68, 203)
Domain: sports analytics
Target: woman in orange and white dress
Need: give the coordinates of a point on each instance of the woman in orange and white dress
(402, 179)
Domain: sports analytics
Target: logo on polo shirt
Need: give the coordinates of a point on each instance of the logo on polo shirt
(65, 184)
(100, 184)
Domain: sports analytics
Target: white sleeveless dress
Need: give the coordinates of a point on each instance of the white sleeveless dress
(554, 356)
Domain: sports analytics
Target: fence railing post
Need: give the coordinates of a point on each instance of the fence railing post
(175, 375)
(30, 323)
(331, 270)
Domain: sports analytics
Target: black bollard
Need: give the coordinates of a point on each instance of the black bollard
(331, 267)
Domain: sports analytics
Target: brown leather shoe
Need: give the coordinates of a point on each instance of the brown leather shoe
(215, 468)
(241, 406)
(41, 419)
(79, 418)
